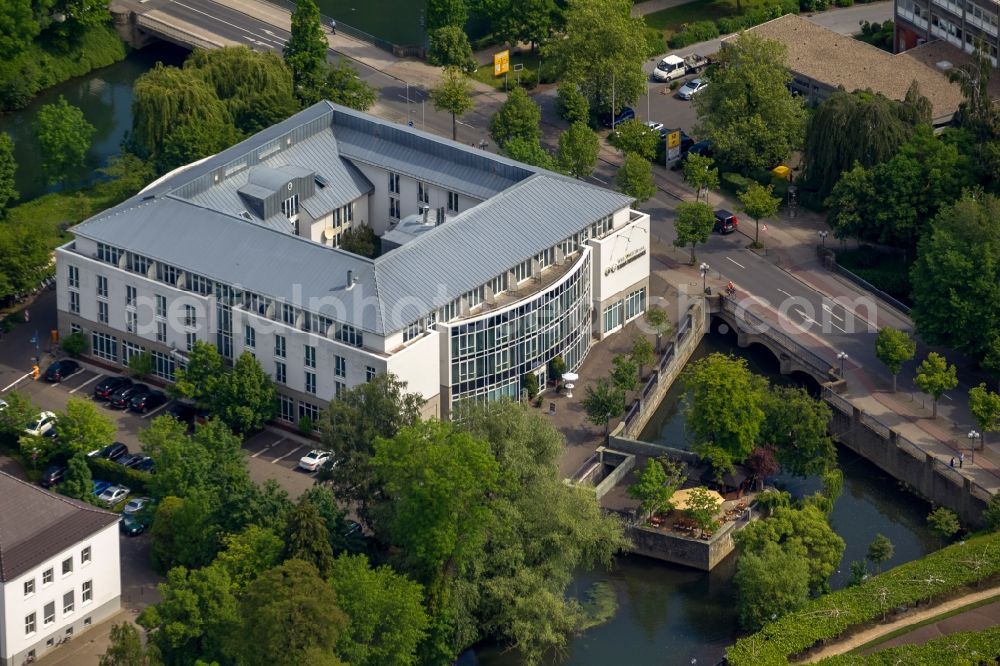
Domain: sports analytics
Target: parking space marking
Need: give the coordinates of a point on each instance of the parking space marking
(15, 383)
(158, 409)
(296, 449)
(268, 447)
(92, 379)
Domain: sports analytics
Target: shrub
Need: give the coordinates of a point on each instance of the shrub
(529, 78)
(306, 425)
(655, 45)
(108, 470)
(844, 3)
(699, 31)
(74, 344)
(449, 46)
(735, 182)
(960, 648)
(529, 383)
(548, 72)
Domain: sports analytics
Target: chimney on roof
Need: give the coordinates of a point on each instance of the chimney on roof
(426, 210)
(350, 279)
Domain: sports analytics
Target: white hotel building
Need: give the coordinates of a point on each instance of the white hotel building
(59, 569)
(489, 268)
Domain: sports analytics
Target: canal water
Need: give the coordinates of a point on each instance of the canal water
(105, 96)
(670, 615)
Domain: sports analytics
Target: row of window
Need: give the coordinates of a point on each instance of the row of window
(48, 576)
(104, 345)
(68, 606)
(629, 308)
(423, 195)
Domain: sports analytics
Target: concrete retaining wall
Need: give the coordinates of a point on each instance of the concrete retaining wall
(621, 464)
(695, 553)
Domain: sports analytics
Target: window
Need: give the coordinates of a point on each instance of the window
(338, 388)
(49, 613)
(102, 286)
(288, 314)
(130, 350)
(87, 592)
(189, 340)
(498, 285)
(411, 331)
(161, 306)
(613, 316)
(47, 577)
(102, 312)
(87, 621)
(601, 227)
(249, 337)
(546, 257)
(475, 297)
(308, 411)
(350, 335)
(423, 193)
(522, 271)
(280, 373)
(108, 254)
(394, 208)
(310, 356)
(279, 346)
(290, 206)
(198, 284)
(369, 373)
(137, 263)
(635, 304)
(161, 331)
(340, 366)
(394, 183)
(453, 202)
(74, 302)
(29, 624)
(74, 277)
(167, 273)
(75, 328)
(85, 555)
(130, 294)
(68, 602)
(131, 321)
(163, 366)
(311, 382)
(104, 346)
(190, 316)
(29, 587)
(67, 566)
(286, 408)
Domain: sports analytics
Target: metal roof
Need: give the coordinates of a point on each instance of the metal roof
(36, 525)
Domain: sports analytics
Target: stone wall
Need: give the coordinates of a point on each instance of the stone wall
(670, 547)
(619, 464)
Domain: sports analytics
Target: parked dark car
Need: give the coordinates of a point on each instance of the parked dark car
(143, 402)
(131, 525)
(130, 460)
(121, 398)
(703, 148)
(187, 413)
(61, 369)
(145, 464)
(627, 113)
(52, 475)
(107, 386)
(113, 451)
(725, 222)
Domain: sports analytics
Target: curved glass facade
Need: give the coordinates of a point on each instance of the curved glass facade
(489, 353)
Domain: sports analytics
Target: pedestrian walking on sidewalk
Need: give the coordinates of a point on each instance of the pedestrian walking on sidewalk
(27, 315)
(333, 27)
(951, 463)
(961, 459)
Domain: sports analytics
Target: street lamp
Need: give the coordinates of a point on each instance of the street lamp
(822, 236)
(842, 356)
(703, 269)
(973, 436)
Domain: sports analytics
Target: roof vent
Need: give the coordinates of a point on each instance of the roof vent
(943, 65)
(351, 280)
(426, 210)
(148, 197)
(321, 180)
(246, 216)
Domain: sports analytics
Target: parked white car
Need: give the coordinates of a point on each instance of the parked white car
(113, 495)
(692, 88)
(46, 421)
(136, 504)
(315, 459)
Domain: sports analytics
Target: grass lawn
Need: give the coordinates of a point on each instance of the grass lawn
(56, 211)
(670, 20)
(485, 73)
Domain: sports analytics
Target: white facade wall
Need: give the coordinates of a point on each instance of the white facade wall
(103, 571)
(621, 259)
(415, 364)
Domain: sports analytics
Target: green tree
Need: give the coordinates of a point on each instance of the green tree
(515, 21)
(8, 165)
(449, 47)
(944, 523)
(700, 173)
(126, 648)
(183, 534)
(571, 104)
(82, 428)
(578, 147)
(18, 412)
(894, 348)
(624, 373)
(599, 70)
(529, 384)
(17, 27)
(74, 344)
(956, 278)
(247, 555)
(196, 618)
(342, 85)
(64, 137)
(141, 365)
(442, 13)
(635, 178)
(25, 257)
(934, 377)
(557, 366)
(658, 319)
(129, 173)
(724, 404)
(641, 353)
(334, 518)
(517, 118)
(770, 583)
(759, 203)
(182, 466)
(530, 152)
(454, 95)
(985, 407)
(305, 50)
(991, 357)
(602, 402)
(387, 620)
(703, 508)
(244, 398)
(656, 485)
(190, 140)
(693, 224)
(197, 381)
(797, 426)
(78, 483)
(747, 111)
(977, 112)
(991, 514)
(307, 539)
(360, 240)
(635, 137)
(879, 550)
(804, 529)
(83, 12)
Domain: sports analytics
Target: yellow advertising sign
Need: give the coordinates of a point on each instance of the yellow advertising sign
(674, 139)
(501, 63)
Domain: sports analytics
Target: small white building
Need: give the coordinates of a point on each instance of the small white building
(60, 571)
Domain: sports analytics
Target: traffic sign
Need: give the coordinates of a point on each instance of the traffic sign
(501, 63)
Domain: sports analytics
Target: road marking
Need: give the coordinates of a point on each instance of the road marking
(95, 377)
(804, 316)
(215, 18)
(835, 316)
(158, 409)
(838, 328)
(947, 396)
(268, 446)
(785, 292)
(295, 450)
(736, 262)
(599, 180)
(15, 383)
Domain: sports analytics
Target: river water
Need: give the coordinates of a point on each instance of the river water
(670, 615)
(105, 96)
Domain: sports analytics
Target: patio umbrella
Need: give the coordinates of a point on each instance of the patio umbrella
(680, 498)
(570, 376)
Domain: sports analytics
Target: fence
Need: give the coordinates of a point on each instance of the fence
(351, 31)
(868, 286)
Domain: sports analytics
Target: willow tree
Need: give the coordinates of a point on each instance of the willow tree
(860, 127)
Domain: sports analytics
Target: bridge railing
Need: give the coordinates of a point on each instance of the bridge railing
(351, 31)
(769, 329)
(164, 29)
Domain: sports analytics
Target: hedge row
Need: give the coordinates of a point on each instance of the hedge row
(965, 647)
(42, 65)
(942, 572)
(107, 470)
(702, 31)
